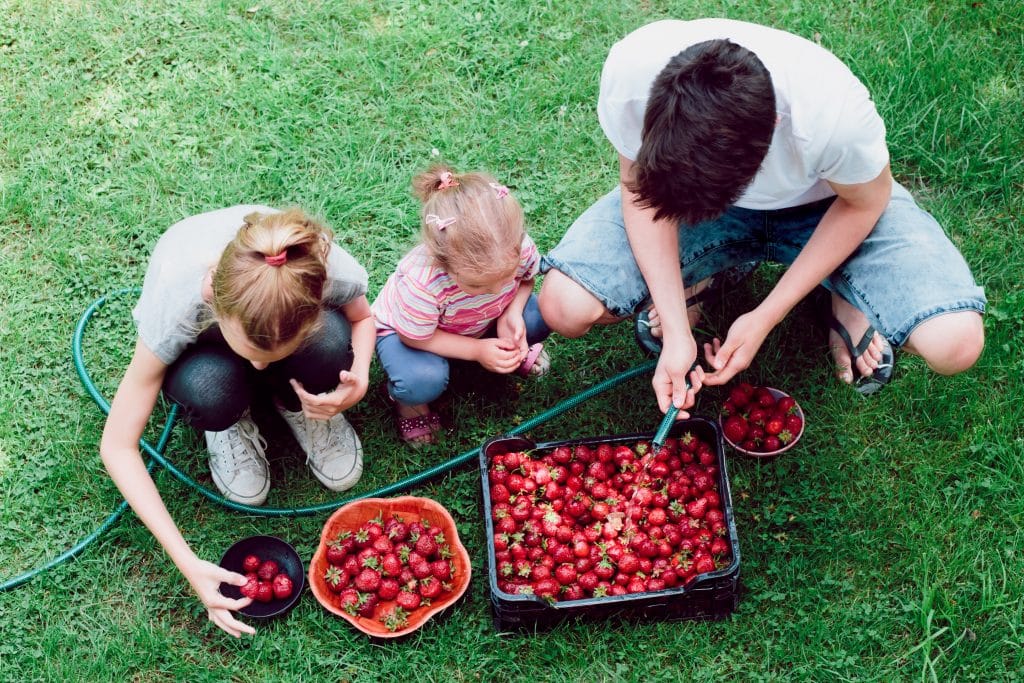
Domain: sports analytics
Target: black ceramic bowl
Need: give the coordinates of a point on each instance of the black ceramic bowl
(266, 548)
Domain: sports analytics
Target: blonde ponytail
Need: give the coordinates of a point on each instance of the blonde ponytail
(271, 277)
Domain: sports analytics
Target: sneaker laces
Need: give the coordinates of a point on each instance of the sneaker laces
(242, 440)
(320, 432)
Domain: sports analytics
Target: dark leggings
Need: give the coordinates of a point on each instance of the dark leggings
(215, 386)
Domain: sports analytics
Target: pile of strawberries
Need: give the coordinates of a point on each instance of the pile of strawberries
(389, 561)
(264, 580)
(580, 522)
(754, 420)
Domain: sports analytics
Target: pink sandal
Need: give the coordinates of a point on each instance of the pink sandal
(535, 358)
(410, 429)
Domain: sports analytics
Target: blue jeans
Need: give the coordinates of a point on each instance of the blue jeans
(905, 272)
(416, 377)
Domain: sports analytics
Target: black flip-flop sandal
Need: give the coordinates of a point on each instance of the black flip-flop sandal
(727, 279)
(866, 385)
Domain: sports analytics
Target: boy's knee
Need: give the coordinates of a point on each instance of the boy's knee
(566, 307)
(950, 344)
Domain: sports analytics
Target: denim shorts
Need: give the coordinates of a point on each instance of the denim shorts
(905, 272)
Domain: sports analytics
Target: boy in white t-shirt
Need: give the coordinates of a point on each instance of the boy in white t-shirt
(737, 144)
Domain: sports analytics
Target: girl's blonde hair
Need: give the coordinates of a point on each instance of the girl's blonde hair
(271, 277)
(470, 223)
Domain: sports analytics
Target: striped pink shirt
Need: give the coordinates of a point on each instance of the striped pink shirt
(420, 298)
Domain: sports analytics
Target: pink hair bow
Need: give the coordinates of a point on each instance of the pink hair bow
(447, 180)
(499, 190)
(438, 222)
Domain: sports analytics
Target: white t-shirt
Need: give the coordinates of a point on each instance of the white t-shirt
(828, 127)
(171, 306)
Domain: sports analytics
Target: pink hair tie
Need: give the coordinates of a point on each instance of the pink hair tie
(500, 191)
(278, 260)
(438, 222)
(447, 180)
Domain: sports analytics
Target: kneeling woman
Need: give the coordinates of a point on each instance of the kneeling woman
(239, 302)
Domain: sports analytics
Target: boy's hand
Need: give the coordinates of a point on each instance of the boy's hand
(735, 355)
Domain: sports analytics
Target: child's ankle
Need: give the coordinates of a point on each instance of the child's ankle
(412, 411)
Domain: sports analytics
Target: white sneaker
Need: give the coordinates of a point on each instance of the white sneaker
(238, 464)
(332, 447)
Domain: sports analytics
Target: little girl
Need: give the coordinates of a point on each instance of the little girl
(235, 302)
(464, 292)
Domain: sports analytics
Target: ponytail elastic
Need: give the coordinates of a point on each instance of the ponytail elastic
(278, 260)
(446, 180)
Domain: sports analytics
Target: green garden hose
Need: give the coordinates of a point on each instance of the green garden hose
(156, 452)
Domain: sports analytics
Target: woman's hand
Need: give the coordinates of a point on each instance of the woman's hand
(205, 578)
(499, 355)
(350, 390)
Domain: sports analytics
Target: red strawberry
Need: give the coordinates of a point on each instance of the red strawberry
(336, 579)
(383, 545)
(394, 618)
(771, 443)
(565, 574)
(546, 588)
(442, 570)
(794, 424)
(250, 588)
(396, 530)
(264, 591)
(348, 600)
(388, 589)
(786, 404)
(735, 428)
(704, 564)
(282, 586)
(408, 600)
(251, 563)
(268, 570)
(697, 508)
(368, 606)
(368, 581)
(738, 397)
(390, 565)
(430, 588)
(629, 563)
(774, 425)
(421, 568)
(499, 493)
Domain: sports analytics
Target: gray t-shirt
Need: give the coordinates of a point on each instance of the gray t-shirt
(171, 308)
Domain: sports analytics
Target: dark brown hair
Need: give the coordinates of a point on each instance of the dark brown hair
(707, 128)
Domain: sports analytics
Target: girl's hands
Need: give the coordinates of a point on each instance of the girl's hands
(350, 391)
(499, 355)
(512, 327)
(205, 578)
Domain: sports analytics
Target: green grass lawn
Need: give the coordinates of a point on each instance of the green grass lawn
(886, 546)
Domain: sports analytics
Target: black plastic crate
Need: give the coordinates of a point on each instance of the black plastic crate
(710, 596)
